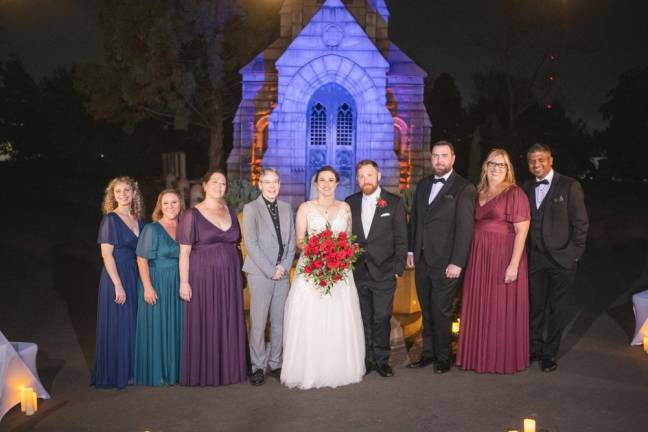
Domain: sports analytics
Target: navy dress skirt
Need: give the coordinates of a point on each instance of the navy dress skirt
(116, 323)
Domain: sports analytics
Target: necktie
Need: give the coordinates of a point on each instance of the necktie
(541, 182)
(438, 180)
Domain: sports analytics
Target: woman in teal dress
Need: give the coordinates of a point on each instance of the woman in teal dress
(158, 338)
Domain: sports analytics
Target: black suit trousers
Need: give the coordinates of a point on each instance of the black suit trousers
(376, 305)
(549, 286)
(435, 293)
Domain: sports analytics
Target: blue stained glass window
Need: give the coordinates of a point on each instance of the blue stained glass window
(318, 125)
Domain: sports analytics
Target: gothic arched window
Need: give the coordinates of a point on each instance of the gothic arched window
(318, 125)
(344, 129)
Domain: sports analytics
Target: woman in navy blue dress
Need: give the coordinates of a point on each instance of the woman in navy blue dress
(117, 304)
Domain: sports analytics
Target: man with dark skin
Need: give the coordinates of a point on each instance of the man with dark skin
(556, 243)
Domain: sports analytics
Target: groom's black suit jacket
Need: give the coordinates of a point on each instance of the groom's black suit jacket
(385, 250)
(564, 224)
(441, 232)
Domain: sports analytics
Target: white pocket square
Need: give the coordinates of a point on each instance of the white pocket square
(385, 214)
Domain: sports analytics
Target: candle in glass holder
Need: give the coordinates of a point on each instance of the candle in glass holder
(529, 425)
(646, 344)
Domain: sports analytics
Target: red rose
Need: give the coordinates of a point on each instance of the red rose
(322, 283)
(308, 269)
(341, 255)
(344, 265)
(337, 277)
(332, 264)
(313, 241)
(342, 236)
(318, 264)
(381, 203)
(327, 233)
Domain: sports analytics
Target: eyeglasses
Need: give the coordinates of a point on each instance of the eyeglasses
(269, 182)
(496, 165)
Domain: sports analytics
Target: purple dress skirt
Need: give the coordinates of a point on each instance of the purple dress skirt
(494, 334)
(213, 346)
(116, 323)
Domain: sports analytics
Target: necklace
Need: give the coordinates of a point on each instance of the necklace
(326, 208)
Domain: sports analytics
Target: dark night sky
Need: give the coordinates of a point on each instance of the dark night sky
(437, 33)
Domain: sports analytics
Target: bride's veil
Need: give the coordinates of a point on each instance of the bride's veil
(313, 189)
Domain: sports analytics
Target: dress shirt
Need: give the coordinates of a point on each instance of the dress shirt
(273, 209)
(436, 187)
(369, 203)
(541, 190)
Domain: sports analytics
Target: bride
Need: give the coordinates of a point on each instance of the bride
(323, 335)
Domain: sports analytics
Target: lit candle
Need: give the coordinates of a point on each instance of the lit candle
(529, 425)
(34, 401)
(29, 401)
(646, 344)
(455, 327)
(23, 399)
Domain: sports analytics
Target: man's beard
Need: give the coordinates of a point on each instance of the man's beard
(441, 172)
(369, 192)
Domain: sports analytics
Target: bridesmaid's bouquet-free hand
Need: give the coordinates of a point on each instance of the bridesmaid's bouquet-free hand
(328, 257)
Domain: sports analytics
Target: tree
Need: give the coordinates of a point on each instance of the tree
(21, 119)
(444, 105)
(627, 111)
(169, 61)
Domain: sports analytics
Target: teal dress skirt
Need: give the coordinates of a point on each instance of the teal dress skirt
(158, 338)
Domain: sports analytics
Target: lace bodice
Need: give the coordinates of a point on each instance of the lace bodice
(317, 222)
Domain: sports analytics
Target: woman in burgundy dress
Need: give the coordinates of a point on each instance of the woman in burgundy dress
(213, 345)
(494, 334)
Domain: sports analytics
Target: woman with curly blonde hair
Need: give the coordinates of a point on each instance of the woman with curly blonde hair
(158, 336)
(117, 302)
(494, 333)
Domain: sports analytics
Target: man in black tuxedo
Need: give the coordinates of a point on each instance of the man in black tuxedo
(441, 229)
(557, 238)
(379, 222)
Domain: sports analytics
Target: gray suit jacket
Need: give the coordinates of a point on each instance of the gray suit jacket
(260, 238)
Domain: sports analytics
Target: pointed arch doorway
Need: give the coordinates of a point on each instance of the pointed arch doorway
(331, 130)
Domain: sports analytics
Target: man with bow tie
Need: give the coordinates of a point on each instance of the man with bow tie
(556, 240)
(440, 233)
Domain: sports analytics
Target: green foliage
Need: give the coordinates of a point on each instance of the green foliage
(173, 61)
(239, 193)
(408, 199)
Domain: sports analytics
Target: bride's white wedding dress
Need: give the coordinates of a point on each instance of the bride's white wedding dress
(323, 334)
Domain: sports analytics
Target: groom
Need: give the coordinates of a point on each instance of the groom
(378, 222)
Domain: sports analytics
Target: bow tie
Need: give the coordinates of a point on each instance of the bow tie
(539, 182)
(438, 180)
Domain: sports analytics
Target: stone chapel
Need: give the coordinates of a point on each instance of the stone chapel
(332, 90)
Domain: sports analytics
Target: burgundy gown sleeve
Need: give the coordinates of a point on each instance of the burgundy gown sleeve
(517, 206)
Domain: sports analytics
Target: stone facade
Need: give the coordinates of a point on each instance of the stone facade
(331, 90)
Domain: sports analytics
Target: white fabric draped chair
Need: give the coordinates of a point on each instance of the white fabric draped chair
(640, 306)
(17, 369)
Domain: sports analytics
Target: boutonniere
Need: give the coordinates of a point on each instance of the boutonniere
(381, 202)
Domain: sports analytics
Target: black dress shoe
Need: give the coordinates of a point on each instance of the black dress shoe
(548, 365)
(385, 371)
(442, 366)
(369, 367)
(275, 373)
(257, 378)
(425, 361)
(535, 357)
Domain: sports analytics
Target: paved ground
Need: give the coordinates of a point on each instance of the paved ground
(48, 279)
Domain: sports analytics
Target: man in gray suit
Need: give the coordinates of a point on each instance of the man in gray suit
(269, 236)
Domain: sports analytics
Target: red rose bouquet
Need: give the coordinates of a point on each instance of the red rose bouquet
(328, 257)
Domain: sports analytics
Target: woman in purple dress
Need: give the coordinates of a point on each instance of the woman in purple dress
(117, 301)
(494, 334)
(213, 346)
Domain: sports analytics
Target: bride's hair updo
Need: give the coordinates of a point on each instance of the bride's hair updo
(327, 168)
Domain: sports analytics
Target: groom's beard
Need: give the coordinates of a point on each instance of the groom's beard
(368, 188)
